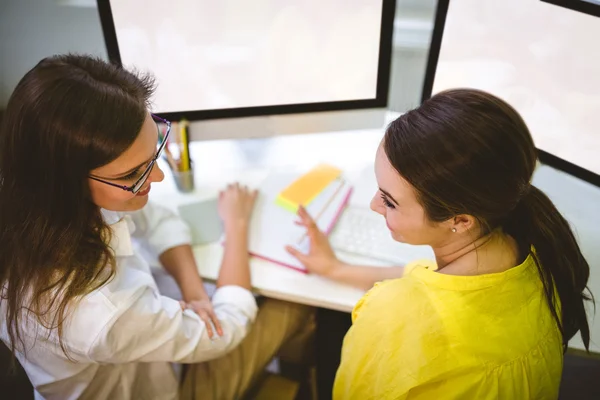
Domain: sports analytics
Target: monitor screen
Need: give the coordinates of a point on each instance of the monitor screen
(215, 59)
(540, 56)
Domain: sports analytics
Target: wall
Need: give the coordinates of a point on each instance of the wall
(33, 29)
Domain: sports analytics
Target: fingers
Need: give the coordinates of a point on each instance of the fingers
(241, 189)
(216, 322)
(296, 253)
(306, 218)
(240, 193)
(233, 187)
(302, 213)
(312, 229)
(207, 315)
(206, 318)
(253, 195)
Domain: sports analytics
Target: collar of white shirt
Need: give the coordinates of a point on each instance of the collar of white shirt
(122, 227)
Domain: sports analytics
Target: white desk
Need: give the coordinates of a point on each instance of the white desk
(217, 163)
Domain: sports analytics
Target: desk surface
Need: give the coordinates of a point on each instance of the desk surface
(217, 163)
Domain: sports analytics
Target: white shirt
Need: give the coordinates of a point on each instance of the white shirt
(123, 336)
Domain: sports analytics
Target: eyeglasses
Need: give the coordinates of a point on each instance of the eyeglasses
(163, 136)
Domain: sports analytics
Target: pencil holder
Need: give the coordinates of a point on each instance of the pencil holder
(184, 180)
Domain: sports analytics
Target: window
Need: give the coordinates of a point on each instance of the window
(590, 7)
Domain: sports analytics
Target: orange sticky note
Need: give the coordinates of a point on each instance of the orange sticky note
(307, 187)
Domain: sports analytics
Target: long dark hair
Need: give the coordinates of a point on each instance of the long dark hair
(68, 115)
(468, 152)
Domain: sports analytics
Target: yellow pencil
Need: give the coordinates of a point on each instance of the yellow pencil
(185, 143)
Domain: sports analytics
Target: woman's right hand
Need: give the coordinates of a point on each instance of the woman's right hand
(235, 206)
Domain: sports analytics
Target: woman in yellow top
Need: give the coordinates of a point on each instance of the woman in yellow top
(491, 317)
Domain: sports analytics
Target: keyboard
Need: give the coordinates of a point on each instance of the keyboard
(362, 232)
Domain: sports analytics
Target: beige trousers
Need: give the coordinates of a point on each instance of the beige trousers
(231, 376)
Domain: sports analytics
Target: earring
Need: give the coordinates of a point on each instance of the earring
(454, 230)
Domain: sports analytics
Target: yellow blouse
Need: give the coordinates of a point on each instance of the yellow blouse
(434, 336)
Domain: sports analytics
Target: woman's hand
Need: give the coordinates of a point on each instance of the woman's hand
(320, 259)
(205, 311)
(235, 206)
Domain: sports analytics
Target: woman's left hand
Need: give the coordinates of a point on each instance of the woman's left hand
(205, 311)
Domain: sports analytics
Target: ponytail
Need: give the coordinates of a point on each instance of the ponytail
(563, 270)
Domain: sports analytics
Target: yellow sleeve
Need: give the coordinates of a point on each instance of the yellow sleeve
(426, 263)
(364, 299)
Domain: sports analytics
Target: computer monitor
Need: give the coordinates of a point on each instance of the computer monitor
(231, 58)
(541, 56)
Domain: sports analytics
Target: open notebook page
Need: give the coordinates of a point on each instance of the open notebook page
(272, 227)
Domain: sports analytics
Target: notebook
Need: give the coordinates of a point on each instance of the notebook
(272, 227)
(304, 189)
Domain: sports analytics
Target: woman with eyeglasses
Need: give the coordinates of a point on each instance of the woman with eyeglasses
(79, 307)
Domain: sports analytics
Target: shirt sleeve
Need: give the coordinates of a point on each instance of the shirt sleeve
(408, 268)
(160, 228)
(154, 328)
(363, 300)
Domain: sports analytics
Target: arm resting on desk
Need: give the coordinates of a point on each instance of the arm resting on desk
(363, 277)
(168, 237)
(153, 328)
(179, 262)
(321, 259)
(235, 208)
(235, 268)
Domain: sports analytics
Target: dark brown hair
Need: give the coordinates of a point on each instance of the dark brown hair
(468, 152)
(68, 115)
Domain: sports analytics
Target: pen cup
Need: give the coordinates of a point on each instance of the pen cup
(184, 180)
